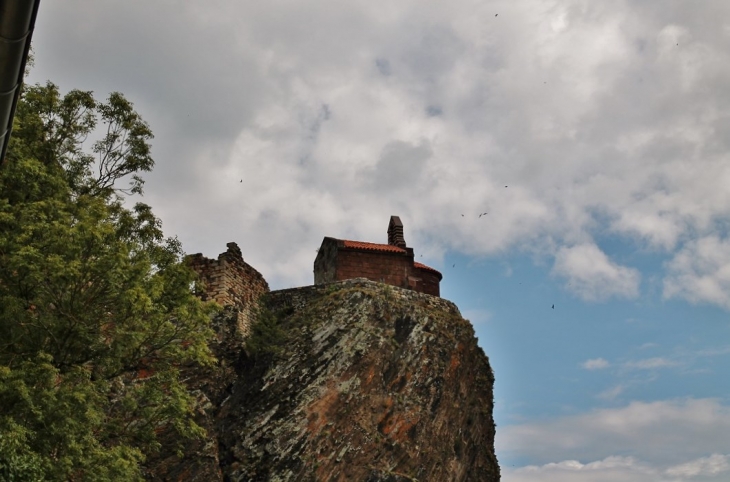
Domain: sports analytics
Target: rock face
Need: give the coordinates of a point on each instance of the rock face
(369, 383)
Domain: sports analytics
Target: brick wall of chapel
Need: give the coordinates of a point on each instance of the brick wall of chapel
(429, 282)
(393, 269)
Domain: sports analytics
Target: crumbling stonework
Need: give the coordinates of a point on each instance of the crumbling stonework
(230, 282)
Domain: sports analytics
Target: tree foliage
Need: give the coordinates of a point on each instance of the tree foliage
(96, 311)
(267, 334)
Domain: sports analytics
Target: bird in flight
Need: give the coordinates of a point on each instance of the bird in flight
(553, 306)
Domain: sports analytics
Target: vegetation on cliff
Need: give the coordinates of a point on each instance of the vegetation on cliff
(96, 312)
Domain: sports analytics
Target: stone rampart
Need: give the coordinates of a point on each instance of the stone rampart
(230, 282)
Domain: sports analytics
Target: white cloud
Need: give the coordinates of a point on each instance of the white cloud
(656, 435)
(662, 433)
(647, 345)
(713, 468)
(477, 316)
(612, 393)
(595, 364)
(718, 351)
(700, 272)
(610, 469)
(706, 466)
(338, 114)
(593, 276)
(650, 363)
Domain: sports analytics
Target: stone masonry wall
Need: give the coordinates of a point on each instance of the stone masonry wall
(230, 281)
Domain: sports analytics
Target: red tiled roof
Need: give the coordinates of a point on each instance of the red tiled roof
(423, 266)
(389, 248)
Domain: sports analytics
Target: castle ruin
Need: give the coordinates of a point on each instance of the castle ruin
(230, 282)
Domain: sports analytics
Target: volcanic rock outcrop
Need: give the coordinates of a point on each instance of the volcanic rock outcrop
(350, 381)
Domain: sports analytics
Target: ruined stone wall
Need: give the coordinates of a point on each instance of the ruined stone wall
(296, 299)
(230, 281)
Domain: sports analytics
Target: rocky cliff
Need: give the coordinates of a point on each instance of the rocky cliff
(352, 381)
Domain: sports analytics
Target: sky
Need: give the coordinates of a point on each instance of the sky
(563, 163)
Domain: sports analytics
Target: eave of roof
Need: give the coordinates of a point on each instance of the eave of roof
(386, 248)
(383, 248)
(427, 268)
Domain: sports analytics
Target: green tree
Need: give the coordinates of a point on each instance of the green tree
(96, 312)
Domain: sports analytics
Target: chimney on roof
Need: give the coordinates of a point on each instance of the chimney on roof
(395, 232)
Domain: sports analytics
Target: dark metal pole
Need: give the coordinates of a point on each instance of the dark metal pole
(17, 20)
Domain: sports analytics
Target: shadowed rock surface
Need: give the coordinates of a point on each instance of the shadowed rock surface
(368, 383)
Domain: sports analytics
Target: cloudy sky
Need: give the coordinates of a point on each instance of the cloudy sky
(591, 137)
